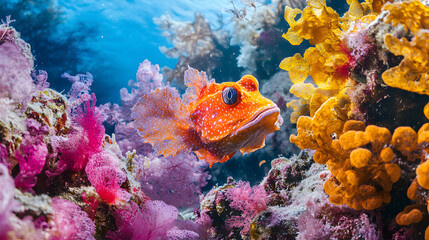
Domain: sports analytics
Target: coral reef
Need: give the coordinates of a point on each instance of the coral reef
(361, 128)
(359, 99)
(65, 178)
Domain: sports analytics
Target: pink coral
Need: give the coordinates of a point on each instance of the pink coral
(155, 220)
(15, 66)
(31, 155)
(249, 201)
(85, 140)
(105, 175)
(3, 154)
(15, 80)
(40, 80)
(70, 222)
(7, 202)
(323, 220)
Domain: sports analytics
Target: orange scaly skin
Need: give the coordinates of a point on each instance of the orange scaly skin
(205, 124)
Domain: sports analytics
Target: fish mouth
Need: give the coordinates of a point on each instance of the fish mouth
(259, 116)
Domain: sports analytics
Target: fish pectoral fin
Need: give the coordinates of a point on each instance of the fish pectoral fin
(212, 158)
(256, 144)
(207, 156)
(227, 157)
(162, 120)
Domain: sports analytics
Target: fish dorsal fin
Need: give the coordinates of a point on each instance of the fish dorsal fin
(163, 121)
(196, 82)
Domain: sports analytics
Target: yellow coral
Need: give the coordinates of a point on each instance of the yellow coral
(413, 15)
(300, 107)
(426, 110)
(409, 215)
(387, 154)
(317, 23)
(353, 139)
(326, 63)
(423, 174)
(360, 157)
(320, 25)
(404, 139)
(412, 74)
(297, 67)
(362, 173)
(423, 134)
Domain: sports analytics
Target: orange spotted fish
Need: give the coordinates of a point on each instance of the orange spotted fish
(213, 120)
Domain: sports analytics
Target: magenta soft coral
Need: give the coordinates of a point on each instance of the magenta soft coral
(70, 222)
(85, 140)
(155, 220)
(31, 155)
(106, 177)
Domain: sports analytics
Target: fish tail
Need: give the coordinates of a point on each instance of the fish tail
(163, 121)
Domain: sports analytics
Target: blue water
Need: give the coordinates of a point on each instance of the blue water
(127, 35)
(124, 34)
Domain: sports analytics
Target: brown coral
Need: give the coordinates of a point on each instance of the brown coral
(409, 215)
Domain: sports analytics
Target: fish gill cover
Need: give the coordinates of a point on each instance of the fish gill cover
(353, 96)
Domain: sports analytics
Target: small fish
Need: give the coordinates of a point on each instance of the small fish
(213, 120)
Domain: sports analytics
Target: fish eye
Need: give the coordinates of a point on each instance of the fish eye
(229, 95)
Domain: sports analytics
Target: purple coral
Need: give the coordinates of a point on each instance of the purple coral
(105, 175)
(175, 180)
(15, 66)
(40, 80)
(155, 220)
(70, 222)
(148, 79)
(81, 84)
(15, 80)
(323, 220)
